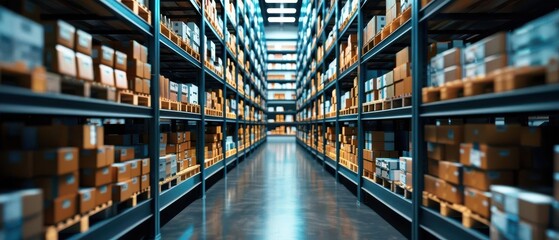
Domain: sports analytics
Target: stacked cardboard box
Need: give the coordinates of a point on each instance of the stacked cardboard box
(188, 93)
(393, 9)
(485, 56)
(189, 32)
(330, 136)
(213, 144)
(402, 74)
(385, 86)
(406, 171)
(348, 147)
(388, 168)
(180, 143)
(230, 72)
(133, 60)
(214, 99)
(373, 27)
(231, 106)
(131, 167)
(378, 144)
(446, 66)
(213, 15)
(350, 99)
(371, 91)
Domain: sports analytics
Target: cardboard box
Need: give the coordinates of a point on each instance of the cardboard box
(61, 60)
(122, 191)
(490, 46)
(489, 157)
(56, 161)
(406, 164)
(86, 136)
(505, 198)
(492, 134)
(451, 193)
(123, 153)
(144, 53)
(482, 180)
(121, 80)
(17, 164)
(478, 201)
(369, 166)
(147, 86)
(403, 56)
(56, 186)
(452, 73)
(450, 134)
(436, 151)
(83, 42)
(59, 32)
(95, 177)
(135, 167)
(60, 209)
(84, 67)
(134, 185)
(136, 84)
(144, 182)
(121, 61)
(135, 69)
(105, 75)
(86, 200)
(433, 167)
(431, 184)
(104, 194)
(103, 55)
(120, 172)
(450, 172)
(145, 166)
(535, 208)
(409, 180)
(528, 230)
(147, 71)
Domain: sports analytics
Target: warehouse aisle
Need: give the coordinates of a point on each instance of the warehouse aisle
(278, 193)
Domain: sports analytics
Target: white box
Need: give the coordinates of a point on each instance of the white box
(192, 93)
(173, 86)
(181, 29)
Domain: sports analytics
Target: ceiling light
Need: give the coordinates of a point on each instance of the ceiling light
(281, 10)
(281, 19)
(281, 1)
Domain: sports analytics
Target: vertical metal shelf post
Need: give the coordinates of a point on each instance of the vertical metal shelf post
(419, 56)
(202, 102)
(154, 130)
(360, 98)
(224, 124)
(338, 95)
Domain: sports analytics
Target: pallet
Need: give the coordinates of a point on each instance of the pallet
(168, 104)
(188, 107)
(133, 201)
(18, 75)
(179, 177)
(386, 104)
(385, 183)
(100, 91)
(77, 224)
(129, 97)
(349, 111)
(188, 49)
(142, 11)
(213, 112)
(368, 175)
(395, 24)
(346, 66)
(405, 16)
(231, 116)
(403, 190)
(453, 210)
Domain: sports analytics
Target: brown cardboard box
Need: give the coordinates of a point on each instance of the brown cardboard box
(408, 85)
(147, 71)
(86, 200)
(104, 194)
(451, 193)
(17, 164)
(135, 69)
(403, 56)
(433, 167)
(60, 209)
(121, 60)
(451, 57)
(528, 230)
(136, 84)
(531, 136)
(31, 202)
(121, 81)
(147, 86)
(122, 191)
(450, 134)
(432, 184)
(431, 133)
(83, 42)
(86, 136)
(409, 180)
(62, 60)
(145, 166)
(56, 186)
(535, 208)
(436, 151)
(84, 67)
(492, 134)
(103, 55)
(91, 177)
(369, 166)
(105, 75)
(399, 88)
(59, 32)
(144, 53)
(489, 157)
(478, 201)
(135, 167)
(120, 172)
(450, 172)
(452, 73)
(134, 185)
(56, 161)
(95, 158)
(144, 182)
(481, 180)
(452, 153)
(132, 49)
(123, 154)
(175, 137)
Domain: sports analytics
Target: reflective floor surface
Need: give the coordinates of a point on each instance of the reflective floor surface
(278, 192)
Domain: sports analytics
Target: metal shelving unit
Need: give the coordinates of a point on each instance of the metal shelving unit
(108, 20)
(433, 22)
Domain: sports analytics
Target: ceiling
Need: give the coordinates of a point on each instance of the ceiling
(265, 6)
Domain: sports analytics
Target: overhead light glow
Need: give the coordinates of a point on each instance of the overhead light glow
(281, 10)
(281, 19)
(281, 1)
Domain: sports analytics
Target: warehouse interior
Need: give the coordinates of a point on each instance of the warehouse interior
(279, 119)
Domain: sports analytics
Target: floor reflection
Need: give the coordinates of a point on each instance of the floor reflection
(278, 193)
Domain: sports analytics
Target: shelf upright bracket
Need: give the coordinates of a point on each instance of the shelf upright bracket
(224, 125)
(338, 95)
(200, 154)
(360, 100)
(154, 130)
(419, 74)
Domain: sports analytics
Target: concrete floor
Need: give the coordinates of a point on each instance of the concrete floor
(279, 192)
